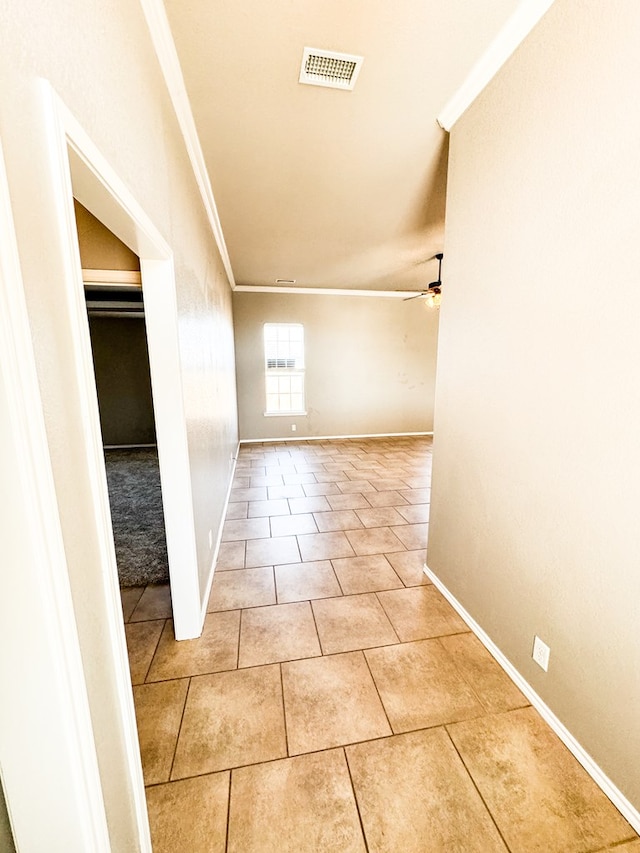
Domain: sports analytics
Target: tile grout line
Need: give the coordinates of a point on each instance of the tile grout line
(284, 712)
(226, 834)
(473, 782)
(153, 656)
(400, 642)
(355, 799)
(175, 749)
(375, 684)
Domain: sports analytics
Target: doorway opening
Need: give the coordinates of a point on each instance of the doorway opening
(115, 310)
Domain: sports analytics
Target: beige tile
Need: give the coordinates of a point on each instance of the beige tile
(330, 477)
(313, 490)
(324, 546)
(309, 467)
(296, 804)
(142, 639)
(377, 540)
(351, 501)
(388, 483)
(342, 464)
(130, 596)
(365, 574)
(248, 528)
(415, 795)
(413, 536)
(516, 758)
(421, 482)
(355, 486)
(352, 622)
(382, 516)
(305, 505)
(242, 588)
(331, 701)
(388, 498)
(416, 514)
(344, 519)
(158, 714)
(420, 612)
(189, 815)
(248, 494)
(277, 633)
(215, 650)
(298, 479)
(272, 552)
(291, 525)
(231, 719)
(304, 581)
(293, 491)
(261, 509)
(416, 496)
(155, 603)
(488, 680)
(267, 479)
(230, 556)
(420, 686)
(409, 565)
(237, 510)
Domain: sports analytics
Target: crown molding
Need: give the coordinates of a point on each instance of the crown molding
(165, 49)
(327, 291)
(512, 34)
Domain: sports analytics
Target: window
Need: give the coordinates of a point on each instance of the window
(284, 368)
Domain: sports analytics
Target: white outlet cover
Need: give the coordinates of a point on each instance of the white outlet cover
(541, 652)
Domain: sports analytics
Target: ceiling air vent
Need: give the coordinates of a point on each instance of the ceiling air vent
(328, 68)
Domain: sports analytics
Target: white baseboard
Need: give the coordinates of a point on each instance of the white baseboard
(300, 438)
(216, 550)
(627, 809)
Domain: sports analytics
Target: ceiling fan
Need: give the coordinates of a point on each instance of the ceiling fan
(434, 289)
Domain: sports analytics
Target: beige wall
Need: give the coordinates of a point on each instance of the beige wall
(370, 364)
(534, 519)
(99, 248)
(100, 60)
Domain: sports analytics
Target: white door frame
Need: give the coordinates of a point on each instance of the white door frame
(48, 759)
(85, 174)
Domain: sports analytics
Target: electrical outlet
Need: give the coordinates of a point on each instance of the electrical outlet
(541, 652)
(293, 427)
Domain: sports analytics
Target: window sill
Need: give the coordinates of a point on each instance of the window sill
(284, 414)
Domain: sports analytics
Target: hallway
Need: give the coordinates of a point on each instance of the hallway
(336, 701)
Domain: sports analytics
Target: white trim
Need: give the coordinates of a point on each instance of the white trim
(512, 34)
(214, 559)
(105, 195)
(627, 809)
(158, 284)
(167, 54)
(52, 793)
(331, 437)
(114, 277)
(327, 291)
(64, 132)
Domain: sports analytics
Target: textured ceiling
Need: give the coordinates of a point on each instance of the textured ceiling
(331, 188)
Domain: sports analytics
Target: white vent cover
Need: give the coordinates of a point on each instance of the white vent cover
(328, 68)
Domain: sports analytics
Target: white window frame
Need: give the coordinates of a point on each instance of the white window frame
(284, 359)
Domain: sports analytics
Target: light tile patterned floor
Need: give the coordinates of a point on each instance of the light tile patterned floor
(335, 701)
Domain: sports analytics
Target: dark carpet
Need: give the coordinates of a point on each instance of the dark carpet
(135, 496)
